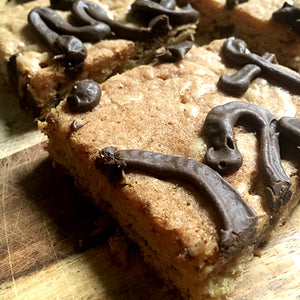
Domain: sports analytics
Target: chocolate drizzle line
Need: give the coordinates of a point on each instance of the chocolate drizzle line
(238, 83)
(238, 220)
(235, 51)
(290, 15)
(232, 3)
(84, 96)
(87, 12)
(184, 15)
(67, 46)
(224, 156)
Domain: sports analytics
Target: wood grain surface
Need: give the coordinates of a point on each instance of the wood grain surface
(49, 248)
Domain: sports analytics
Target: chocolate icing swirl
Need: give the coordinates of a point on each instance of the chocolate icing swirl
(238, 83)
(235, 51)
(225, 157)
(146, 8)
(84, 96)
(238, 220)
(69, 48)
(87, 12)
(288, 14)
(63, 38)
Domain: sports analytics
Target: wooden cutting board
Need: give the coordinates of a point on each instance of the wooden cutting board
(49, 248)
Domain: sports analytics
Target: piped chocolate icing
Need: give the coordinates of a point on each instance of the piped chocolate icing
(47, 24)
(84, 96)
(96, 25)
(238, 83)
(88, 13)
(237, 219)
(290, 15)
(224, 156)
(235, 52)
(149, 8)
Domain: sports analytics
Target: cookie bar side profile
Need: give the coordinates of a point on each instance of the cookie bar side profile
(37, 44)
(149, 124)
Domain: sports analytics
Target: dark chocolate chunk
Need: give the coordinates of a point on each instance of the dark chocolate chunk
(288, 14)
(232, 3)
(89, 13)
(238, 83)
(84, 96)
(176, 52)
(235, 51)
(148, 8)
(237, 219)
(224, 156)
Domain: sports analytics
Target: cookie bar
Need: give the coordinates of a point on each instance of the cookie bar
(269, 25)
(45, 46)
(196, 177)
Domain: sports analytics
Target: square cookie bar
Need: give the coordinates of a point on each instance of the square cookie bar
(197, 178)
(269, 25)
(45, 46)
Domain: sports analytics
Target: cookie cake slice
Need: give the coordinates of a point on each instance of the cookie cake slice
(196, 177)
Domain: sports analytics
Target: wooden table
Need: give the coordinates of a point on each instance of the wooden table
(49, 249)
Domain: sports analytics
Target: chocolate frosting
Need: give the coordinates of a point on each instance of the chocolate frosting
(184, 15)
(236, 52)
(224, 156)
(238, 83)
(96, 25)
(290, 15)
(84, 96)
(87, 12)
(68, 47)
(176, 52)
(237, 219)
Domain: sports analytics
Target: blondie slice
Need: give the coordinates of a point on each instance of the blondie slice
(196, 177)
(45, 46)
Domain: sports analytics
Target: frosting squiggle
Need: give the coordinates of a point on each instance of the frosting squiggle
(63, 38)
(236, 52)
(87, 12)
(238, 83)
(225, 157)
(184, 15)
(238, 219)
